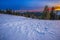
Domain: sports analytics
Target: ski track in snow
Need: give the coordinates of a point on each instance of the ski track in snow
(22, 28)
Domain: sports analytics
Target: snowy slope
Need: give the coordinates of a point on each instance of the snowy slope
(21, 28)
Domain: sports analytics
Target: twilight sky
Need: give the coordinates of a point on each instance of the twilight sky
(27, 4)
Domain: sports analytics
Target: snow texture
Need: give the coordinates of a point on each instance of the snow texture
(22, 28)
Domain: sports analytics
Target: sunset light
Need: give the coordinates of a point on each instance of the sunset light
(57, 7)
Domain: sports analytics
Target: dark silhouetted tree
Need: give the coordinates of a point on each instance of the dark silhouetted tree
(52, 14)
(9, 11)
(45, 12)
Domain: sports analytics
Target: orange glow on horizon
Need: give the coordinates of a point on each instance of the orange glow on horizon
(57, 7)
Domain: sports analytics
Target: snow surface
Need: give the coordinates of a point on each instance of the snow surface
(22, 28)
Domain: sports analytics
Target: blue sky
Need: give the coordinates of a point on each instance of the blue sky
(26, 4)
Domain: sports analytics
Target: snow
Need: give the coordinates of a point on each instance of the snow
(22, 28)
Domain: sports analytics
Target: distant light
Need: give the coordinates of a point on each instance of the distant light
(57, 7)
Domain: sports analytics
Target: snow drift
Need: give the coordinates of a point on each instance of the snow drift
(22, 28)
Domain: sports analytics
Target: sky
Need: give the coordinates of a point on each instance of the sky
(26, 4)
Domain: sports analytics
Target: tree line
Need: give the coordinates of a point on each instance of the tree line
(46, 14)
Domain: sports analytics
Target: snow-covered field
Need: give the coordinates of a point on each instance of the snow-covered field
(21, 28)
